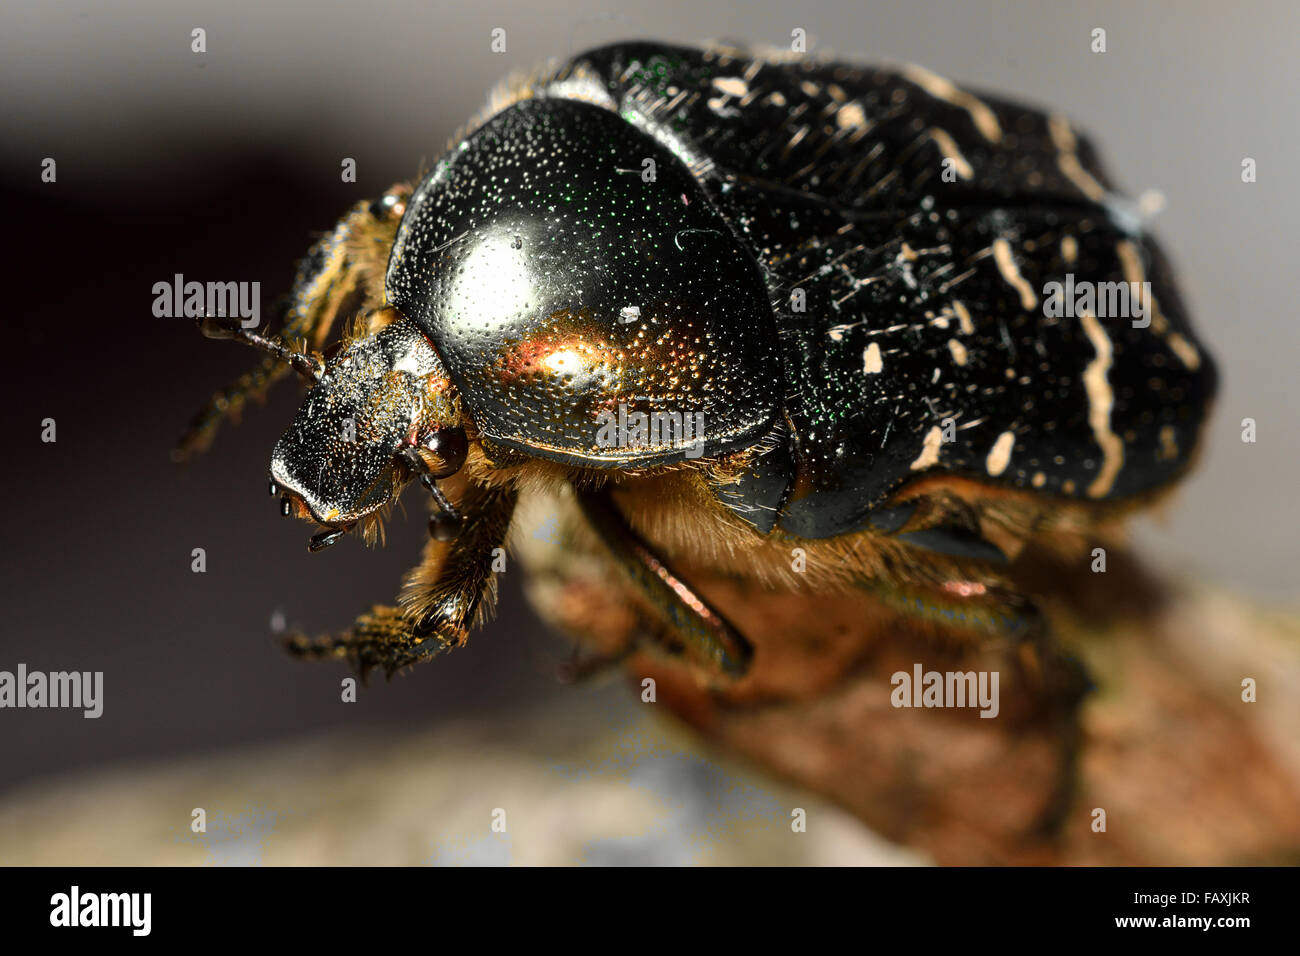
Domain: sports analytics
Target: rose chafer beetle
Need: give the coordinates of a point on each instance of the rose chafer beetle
(713, 308)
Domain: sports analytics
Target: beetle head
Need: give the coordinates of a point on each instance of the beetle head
(381, 412)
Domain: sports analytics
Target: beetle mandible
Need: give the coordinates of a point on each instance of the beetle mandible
(820, 324)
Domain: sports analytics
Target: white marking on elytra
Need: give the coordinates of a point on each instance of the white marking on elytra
(1101, 399)
(1068, 160)
(851, 116)
(963, 315)
(930, 449)
(1185, 351)
(1011, 272)
(948, 146)
(1130, 261)
(731, 85)
(872, 360)
(939, 87)
(1069, 249)
(1000, 454)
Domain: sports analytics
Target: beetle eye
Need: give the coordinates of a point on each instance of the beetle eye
(387, 205)
(451, 446)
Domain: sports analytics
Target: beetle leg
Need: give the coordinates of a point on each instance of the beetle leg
(312, 324)
(453, 588)
(254, 384)
(227, 403)
(1063, 682)
(955, 541)
(1058, 681)
(382, 637)
(339, 277)
(582, 665)
(704, 632)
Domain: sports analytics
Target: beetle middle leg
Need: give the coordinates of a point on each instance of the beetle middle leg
(705, 633)
(452, 588)
(595, 579)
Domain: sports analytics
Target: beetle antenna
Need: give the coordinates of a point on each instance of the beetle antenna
(228, 327)
(439, 498)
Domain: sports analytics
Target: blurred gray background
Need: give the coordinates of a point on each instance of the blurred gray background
(224, 165)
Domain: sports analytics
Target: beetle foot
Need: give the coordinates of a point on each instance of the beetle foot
(382, 638)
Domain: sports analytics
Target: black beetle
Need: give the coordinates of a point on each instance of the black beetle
(799, 303)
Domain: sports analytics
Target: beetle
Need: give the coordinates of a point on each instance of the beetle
(714, 307)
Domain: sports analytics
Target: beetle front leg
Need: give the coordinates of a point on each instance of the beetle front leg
(452, 589)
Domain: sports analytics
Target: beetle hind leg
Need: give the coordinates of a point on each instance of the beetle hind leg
(1062, 682)
(1000, 618)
